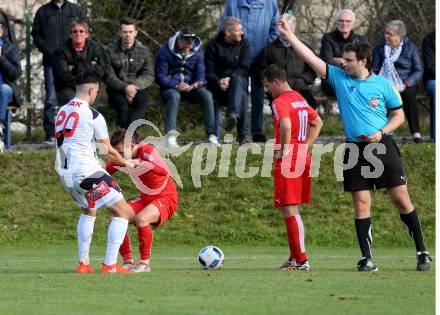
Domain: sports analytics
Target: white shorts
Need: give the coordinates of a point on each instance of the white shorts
(93, 192)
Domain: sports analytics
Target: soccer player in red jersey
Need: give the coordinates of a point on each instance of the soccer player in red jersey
(157, 201)
(296, 127)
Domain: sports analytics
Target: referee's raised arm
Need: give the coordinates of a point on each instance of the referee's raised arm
(303, 51)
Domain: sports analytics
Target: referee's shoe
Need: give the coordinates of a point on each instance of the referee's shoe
(423, 261)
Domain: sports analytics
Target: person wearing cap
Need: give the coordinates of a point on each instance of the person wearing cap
(180, 74)
(10, 70)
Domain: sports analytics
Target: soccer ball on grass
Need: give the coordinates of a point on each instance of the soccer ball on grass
(211, 257)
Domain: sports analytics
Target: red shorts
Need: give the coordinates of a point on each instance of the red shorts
(167, 205)
(290, 190)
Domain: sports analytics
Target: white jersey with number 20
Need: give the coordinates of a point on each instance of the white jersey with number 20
(77, 127)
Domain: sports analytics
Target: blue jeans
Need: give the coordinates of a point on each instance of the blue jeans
(172, 99)
(5, 98)
(236, 95)
(257, 100)
(430, 90)
(235, 99)
(50, 103)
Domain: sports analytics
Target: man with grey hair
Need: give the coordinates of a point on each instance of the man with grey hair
(299, 74)
(259, 19)
(227, 60)
(332, 44)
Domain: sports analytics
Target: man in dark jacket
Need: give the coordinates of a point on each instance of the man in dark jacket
(129, 71)
(332, 44)
(259, 19)
(228, 58)
(428, 48)
(78, 55)
(299, 74)
(51, 29)
(10, 70)
(180, 74)
(9, 31)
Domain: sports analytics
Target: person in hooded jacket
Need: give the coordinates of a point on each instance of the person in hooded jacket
(180, 74)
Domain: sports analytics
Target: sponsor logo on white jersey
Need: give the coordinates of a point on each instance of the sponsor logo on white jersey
(98, 192)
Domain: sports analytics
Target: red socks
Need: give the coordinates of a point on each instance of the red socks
(295, 237)
(145, 237)
(125, 249)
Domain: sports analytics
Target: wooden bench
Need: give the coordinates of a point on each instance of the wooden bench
(7, 132)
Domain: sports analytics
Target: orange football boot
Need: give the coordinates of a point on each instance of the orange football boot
(115, 268)
(84, 268)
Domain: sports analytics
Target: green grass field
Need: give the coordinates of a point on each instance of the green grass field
(34, 207)
(42, 281)
(38, 246)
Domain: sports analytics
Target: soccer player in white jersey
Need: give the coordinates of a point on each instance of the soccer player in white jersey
(77, 128)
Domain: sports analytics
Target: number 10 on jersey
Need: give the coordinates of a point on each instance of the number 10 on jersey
(303, 117)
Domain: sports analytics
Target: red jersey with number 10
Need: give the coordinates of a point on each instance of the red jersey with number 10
(291, 104)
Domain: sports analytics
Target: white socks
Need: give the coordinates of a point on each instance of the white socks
(116, 234)
(85, 232)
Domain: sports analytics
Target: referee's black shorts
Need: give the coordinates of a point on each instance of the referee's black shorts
(376, 166)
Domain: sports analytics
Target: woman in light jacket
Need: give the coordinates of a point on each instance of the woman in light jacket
(396, 58)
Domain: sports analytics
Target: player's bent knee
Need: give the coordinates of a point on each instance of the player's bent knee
(122, 209)
(142, 221)
(149, 215)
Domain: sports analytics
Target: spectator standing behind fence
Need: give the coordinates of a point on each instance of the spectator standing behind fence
(428, 48)
(332, 44)
(78, 55)
(396, 58)
(180, 74)
(299, 74)
(50, 30)
(10, 70)
(129, 71)
(227, 59)
(259, 19)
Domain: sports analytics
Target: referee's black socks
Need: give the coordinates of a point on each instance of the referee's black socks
(414, 228)
(364, 236)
